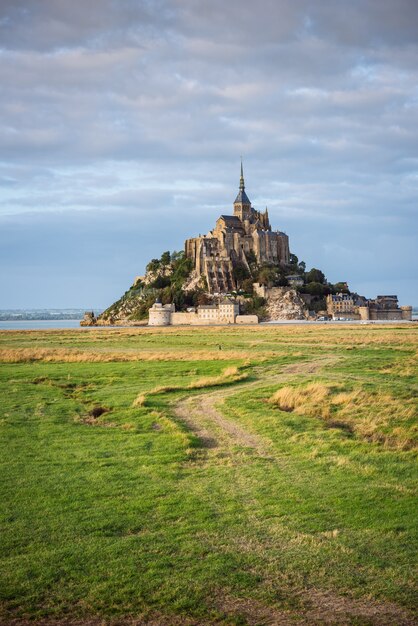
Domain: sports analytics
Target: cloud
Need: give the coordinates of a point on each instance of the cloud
(124, 108)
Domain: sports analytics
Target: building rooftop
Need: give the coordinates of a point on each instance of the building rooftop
(391, 297)
(231, 219)
(242, 197)
(342, 296)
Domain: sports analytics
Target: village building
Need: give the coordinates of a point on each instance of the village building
(295, 280)
(344, 305)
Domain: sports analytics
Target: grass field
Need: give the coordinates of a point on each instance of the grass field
(199, 476)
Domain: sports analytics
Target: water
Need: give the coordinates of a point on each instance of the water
(38, 324)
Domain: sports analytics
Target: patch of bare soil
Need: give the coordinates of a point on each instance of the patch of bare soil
(255, 613)
(329, 608)
(213, 429)
(189, 415)
(319, 608)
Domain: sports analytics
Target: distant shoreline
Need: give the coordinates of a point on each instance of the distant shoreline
(74, 324)
(21, 315)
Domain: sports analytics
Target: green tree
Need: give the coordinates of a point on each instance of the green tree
(165, 258)
(181, 270)
(315, 276)
(281, 281)
(153, 265)
(160, 282)
(255, 306)
(340, 288)
(314, 289)
(240, 273)
(177, 255)
(247, 285)
(267, 276)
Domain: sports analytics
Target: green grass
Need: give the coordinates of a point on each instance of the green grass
(126, 515)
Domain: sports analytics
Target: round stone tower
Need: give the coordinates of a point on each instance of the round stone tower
(160, 315)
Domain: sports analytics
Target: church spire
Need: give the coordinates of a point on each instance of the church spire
(242, 203)
(241, 180)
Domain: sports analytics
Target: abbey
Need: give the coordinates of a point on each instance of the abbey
(235, 239)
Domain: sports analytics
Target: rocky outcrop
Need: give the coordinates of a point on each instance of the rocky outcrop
(127, 311)
(284, 303)
(89, 319)
(152, 275)
(194, 281)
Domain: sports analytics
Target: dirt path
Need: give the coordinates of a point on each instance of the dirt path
(201, 413)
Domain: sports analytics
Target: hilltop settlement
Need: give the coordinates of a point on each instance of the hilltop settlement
(239, 273)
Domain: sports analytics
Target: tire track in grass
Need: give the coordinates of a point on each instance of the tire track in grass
(202, 416)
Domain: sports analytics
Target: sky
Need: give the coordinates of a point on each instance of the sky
(122, 124)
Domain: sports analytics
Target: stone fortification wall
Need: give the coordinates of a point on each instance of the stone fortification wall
(372, 313)
(210, 315)
(246, 319)
(385, 314)
(180, 319)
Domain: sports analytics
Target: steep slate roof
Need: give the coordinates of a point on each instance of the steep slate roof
(242, 197)
(232, 219)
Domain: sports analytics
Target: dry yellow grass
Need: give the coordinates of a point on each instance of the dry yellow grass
(64, 355)
(377, 417)
(305, 400)
(229, 375)
(139, 400)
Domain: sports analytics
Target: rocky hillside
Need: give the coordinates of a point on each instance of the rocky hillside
(172, 279)
(169, 279)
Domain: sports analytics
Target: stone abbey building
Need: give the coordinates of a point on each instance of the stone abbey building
(232, 241)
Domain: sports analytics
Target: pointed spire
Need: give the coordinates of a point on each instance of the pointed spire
(241, 180)
(242, 197)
